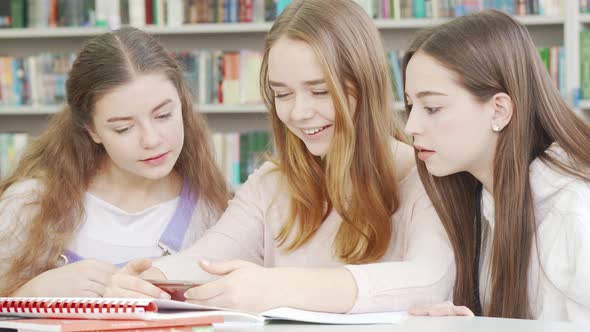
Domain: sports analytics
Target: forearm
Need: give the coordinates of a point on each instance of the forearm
(316, 289)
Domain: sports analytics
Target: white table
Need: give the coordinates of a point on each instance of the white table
(426, 324)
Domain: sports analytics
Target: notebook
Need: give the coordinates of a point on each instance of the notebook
(203, 324)
(156, 309)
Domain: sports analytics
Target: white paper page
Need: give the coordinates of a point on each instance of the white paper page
(329, 318)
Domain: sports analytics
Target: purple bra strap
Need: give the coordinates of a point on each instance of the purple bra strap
(171, 239)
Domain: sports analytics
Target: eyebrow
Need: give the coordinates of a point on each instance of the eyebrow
(423, 94)
(125, 118)
(308, 83)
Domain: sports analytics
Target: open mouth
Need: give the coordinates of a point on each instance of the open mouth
(315, 131)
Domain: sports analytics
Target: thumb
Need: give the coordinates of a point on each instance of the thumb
(222, 268)
(137, 266)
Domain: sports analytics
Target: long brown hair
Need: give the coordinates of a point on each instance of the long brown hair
(64, 158)
(492, 53)
(357, 177)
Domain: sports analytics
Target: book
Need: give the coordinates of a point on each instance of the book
(198, 324)
(156, 309)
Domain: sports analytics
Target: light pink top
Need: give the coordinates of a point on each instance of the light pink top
(418, 267)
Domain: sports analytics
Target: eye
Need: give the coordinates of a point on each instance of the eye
(282, 95)
(432, 109)
(164, 116)
(122, 130)
(320, 93)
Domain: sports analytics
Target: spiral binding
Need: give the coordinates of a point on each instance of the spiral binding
(75, 306)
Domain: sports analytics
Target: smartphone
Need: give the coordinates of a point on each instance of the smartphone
(175, 288)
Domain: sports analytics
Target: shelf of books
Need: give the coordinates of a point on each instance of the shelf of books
(208, 108)
(30, 19)
(236, 28)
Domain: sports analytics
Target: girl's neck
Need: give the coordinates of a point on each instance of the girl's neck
(133, 193)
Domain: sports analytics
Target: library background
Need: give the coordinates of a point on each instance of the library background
(219, 44)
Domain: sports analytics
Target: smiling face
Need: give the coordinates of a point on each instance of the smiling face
(451, 129)
(302, 100)
(140, 126)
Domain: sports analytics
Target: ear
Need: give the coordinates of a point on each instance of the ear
(93, 135)
(503, 110)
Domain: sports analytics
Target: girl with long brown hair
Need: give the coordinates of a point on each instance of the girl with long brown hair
(340, 221)
(123, 172)
(506, 163)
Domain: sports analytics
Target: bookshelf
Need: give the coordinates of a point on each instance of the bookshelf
(396, 34)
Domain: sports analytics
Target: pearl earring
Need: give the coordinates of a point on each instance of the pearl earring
(496, 128)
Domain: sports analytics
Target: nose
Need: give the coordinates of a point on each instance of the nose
(150, 137)
(302, 109)
(413, 125)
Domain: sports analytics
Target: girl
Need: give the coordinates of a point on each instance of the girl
(123, 172)
(342, 193)
(506, 163)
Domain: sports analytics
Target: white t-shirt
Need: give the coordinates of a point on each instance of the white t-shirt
(559, 273)
(136, 236)
(107, 233)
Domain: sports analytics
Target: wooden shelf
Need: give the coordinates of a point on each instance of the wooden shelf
(232, 28)
(584, 18)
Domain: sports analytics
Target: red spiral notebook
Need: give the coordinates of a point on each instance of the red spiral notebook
(114, 308)
(155, 309)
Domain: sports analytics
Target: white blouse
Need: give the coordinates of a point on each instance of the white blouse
(559, 272)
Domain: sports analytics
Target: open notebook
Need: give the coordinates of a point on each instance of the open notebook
(154, 309)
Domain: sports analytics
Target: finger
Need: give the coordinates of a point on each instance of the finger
(222, 268)
(423, 310)
(463, 311)
(137, 267)
(419, 311)
(444, 309)
(205, 291)
(94, 287)
(137, 285)
(86, 293)
(102, 277)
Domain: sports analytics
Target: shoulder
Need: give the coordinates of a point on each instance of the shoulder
(556, 193)
(264, 180)
(17, 205)
(403, 156)
(26, 191)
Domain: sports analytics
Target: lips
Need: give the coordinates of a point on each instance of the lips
(422, 149)
(155, 157)
(423, 153)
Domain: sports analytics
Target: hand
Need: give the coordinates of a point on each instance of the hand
(85, 278)
(244, 286)
(127, 283)
(441, 309)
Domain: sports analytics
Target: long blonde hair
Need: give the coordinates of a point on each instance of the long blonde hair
(357, 177)
(64, 158)
(492, 53)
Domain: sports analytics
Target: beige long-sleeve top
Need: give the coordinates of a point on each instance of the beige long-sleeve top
(418, 267)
